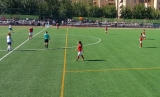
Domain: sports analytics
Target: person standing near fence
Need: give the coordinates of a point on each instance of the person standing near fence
(80, 50)
(46, 39)
(57, 25)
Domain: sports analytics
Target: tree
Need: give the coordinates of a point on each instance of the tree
(79, 9)
(95, 11)
(126, 12)
(65, 10)
(109, 11)
(139, 11)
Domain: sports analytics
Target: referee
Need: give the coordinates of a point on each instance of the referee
(46, 39)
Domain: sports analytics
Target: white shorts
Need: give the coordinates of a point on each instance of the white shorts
(30, 33)
(144, 35)
(140, 41)
(79, 53)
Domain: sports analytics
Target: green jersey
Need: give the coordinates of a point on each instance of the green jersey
(46, 36)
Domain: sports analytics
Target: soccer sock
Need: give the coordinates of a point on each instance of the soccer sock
(77, 58)
(82, 57)
(47, 45)
(9, 47)
(141, 44)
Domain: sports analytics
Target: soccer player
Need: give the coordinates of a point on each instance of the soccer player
(80, 50)
(9, 41)
(57, 25)
(30, 33)
(46, 39)
(144, 34)
(140, 39)
(106, 30)
(10, 28)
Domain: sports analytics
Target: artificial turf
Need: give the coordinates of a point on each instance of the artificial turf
(114, 65)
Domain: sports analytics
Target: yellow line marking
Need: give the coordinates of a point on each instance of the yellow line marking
(64, 66)
(116, 69)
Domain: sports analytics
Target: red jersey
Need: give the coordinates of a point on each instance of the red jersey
(106, 28)
(30, 29)
(57, 25)
(141, 38)
(79, 48)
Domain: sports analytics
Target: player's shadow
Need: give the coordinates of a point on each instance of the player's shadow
(150, 47)
(38, 38)
(150, 39)
(95, 60)
(112, 34)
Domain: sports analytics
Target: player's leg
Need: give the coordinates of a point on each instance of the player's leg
(140, 44)
(82, 57)
(78, 56)
(9, 46)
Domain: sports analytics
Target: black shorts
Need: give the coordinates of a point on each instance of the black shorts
(46, 40)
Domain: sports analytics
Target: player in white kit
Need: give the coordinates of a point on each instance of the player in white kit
(10, 28)
(9, 41)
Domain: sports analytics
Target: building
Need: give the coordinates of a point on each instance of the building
(119, 3)
(148, 3)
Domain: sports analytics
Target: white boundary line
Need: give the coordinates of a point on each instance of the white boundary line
(99, 40)
(19, 46)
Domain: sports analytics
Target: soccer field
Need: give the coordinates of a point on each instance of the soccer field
(114, 65)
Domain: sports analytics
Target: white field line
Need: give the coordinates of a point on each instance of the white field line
(20, 45)
(99, 40)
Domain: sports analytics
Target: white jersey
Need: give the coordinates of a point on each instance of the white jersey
(9, 39)
(10, 26)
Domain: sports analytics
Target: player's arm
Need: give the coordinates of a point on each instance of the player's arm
(76, 48)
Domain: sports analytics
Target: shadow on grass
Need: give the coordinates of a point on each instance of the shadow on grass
(150, 47)
(111, 34)
(95, 60)
(150, 39)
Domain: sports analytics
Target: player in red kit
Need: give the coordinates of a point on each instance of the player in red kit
(144, 34)
(140, 40)
(80, 50)
(106, 30)
(30, 33)
(57, 25)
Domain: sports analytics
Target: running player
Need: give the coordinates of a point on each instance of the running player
(10, 29)
(106, 30)
(57, 25)
(46, 39)
(9, 41)
(140, 40)
(80, 50)
(30, 33)
(144, 34)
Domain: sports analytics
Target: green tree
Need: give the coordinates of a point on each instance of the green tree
(126, 12)
(65, 10)
(139, 11)
(79, 9)
(95, 11)
(109, 11)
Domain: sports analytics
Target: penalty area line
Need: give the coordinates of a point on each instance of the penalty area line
(19, 45)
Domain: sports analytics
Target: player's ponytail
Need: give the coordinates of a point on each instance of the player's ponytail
(81, 44)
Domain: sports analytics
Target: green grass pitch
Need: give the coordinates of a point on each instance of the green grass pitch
(114, 65)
